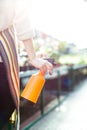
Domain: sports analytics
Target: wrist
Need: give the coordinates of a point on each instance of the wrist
(32, 60)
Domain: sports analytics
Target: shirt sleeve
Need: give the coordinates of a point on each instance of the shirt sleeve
(22, 23)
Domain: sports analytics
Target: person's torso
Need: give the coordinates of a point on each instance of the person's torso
(6, 13)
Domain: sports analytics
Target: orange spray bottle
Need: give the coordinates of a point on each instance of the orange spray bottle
(34, 86)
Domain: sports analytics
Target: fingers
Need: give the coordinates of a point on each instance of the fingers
(43, 65)
(50, 67)
(43, 69)
(47, 66)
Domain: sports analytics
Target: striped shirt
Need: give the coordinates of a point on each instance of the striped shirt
(14, 24)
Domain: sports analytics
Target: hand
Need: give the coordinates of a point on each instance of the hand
(43, 65)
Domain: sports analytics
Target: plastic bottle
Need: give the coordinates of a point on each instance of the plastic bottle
(34, 86)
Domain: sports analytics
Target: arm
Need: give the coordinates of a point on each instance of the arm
(43, 65)
(24, 31)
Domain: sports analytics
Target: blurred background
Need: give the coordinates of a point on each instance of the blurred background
(61, 37)
(60, 30)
